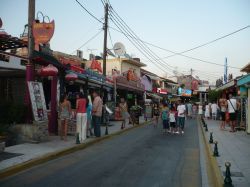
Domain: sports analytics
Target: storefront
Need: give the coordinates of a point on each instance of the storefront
(244, 87)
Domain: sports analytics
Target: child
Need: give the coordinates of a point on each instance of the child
(164, 117)
(172, 120)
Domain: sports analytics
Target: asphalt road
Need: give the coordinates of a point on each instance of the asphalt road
(143, 157)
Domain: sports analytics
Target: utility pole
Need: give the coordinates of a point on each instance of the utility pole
(29, 65)
(105, 28)
(31, 18)
(225, 71)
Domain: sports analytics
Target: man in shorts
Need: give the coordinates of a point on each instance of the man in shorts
(181, 109)
(233, 105)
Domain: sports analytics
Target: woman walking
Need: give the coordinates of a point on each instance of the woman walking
(164, 117)
(65, 111)
(124, 110)
(156, 113)
(81, 117)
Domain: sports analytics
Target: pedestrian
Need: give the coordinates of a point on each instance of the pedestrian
(233, 105)
(172, 120)
(124, 111)
(214, 108)
(97, 113)
(200, 109)
(89, 117)
(81, 117)
(207, 111)
(189, 110)
(181, 117)
(64, 111)
(156, 114)
(194, 110)
(223, 109)
(164, 117)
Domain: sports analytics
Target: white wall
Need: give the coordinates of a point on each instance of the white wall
(126, 66)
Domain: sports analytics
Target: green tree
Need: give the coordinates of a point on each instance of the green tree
(214, 95)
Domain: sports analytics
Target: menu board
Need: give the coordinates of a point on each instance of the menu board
(37, 101)
(148, 111)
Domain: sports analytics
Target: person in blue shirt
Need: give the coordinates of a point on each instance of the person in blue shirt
(89, 117)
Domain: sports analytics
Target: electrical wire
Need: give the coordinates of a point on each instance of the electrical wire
(127, 31)
(193, 58)
(133, 34)
(92, 15)
(93, 37)
(212, 41)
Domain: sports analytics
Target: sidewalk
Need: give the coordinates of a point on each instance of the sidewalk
(234, 148)
(24, 153)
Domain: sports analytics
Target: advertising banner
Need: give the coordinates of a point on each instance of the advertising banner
(37, 101)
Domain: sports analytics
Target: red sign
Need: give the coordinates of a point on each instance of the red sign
(131, 76)
(95, 65)
(42, 32)
(194, 85)
(162, 91)
(77, 69)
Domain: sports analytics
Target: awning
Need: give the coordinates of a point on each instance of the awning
(154, 95)
(225, 86)
(10, 42)
(244, 80)
(46, 59)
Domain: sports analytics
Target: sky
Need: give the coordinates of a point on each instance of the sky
(175, 25)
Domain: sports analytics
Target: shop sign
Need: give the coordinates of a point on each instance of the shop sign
(95, 65)
(38, 101)
(135, 84)
(184, 92)
(162, 91)
(93, 75)
(194, 85)
(131, 76)
(42, 32)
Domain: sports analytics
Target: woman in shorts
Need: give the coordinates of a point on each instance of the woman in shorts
(172, 120)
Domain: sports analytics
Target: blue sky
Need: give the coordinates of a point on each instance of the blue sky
(176, 25)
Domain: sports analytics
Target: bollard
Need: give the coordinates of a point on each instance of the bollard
(228, 180)
(206, 128)
(216, 153)
(211, 140)
(106, 131)
(77, 138)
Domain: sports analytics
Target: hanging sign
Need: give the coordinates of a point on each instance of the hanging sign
(37, 101)
(42, 32)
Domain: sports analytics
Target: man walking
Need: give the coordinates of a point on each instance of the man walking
(181, 116)
(214, 108)
(232, 108)
(97, 114)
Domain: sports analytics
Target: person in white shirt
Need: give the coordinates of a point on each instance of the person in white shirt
(207, 111)
(233, 105)
(181, 109)
(214, 108)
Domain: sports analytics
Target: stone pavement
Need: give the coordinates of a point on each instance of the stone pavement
(31, 151)
(234, 148)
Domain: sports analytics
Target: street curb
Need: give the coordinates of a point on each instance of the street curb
(50, 156)
(214, 173)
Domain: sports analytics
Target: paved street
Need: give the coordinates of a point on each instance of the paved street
(141, 157)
